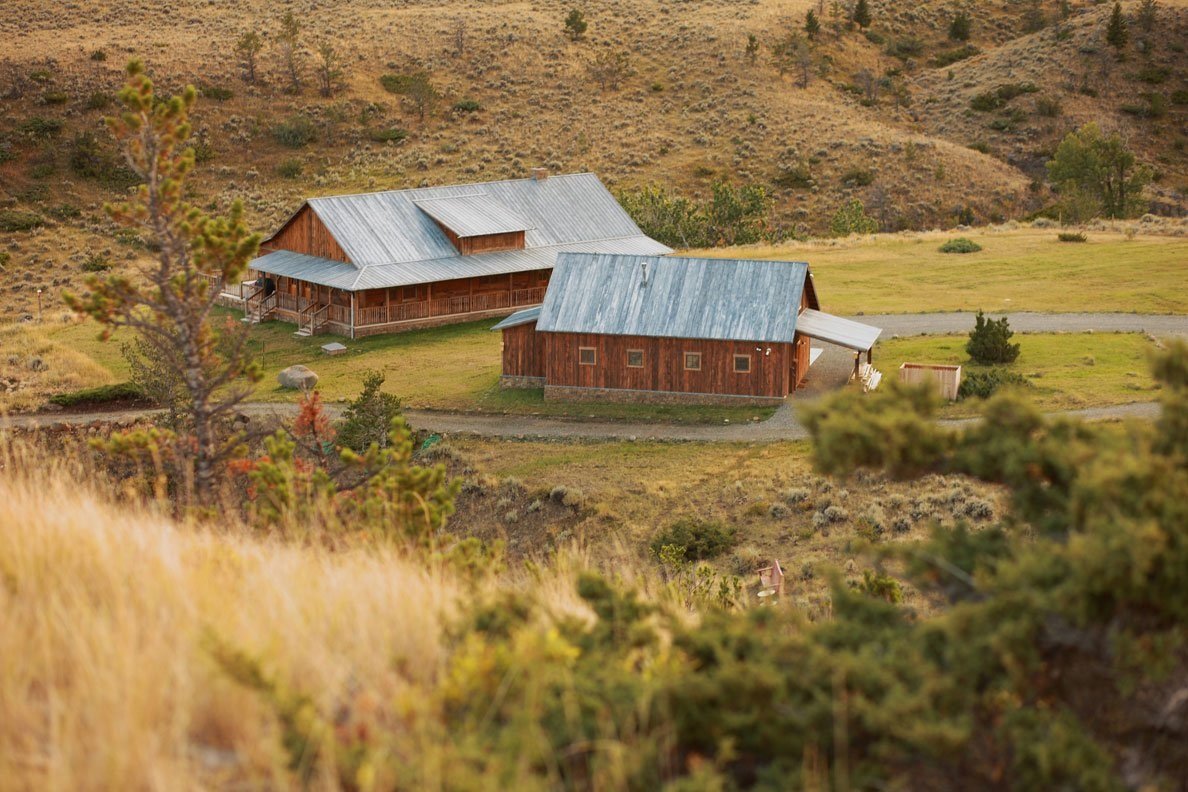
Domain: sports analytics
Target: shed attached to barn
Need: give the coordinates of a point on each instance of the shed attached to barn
(387, 261)
(681, 330)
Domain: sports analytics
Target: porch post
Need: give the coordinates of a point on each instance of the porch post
(857, 362)
(869, 352)
(352, 314)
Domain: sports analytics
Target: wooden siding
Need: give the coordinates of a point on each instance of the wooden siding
(663, 365)
(523, 351)
(800, 360)
(305, 233)
(486, 243)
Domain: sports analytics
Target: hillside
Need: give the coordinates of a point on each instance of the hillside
(694, 107)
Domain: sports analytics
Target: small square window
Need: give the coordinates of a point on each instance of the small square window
(409, 294)
(692, 361)
(587, 356)
(634, 358)
(742, 364)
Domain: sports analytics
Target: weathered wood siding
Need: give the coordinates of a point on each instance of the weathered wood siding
(523, 351)
(663, 365)
(487, 243)
(800, 360)
(306, 234)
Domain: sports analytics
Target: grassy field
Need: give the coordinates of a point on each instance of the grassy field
(455, 367)
(1016, 270)
(1066, 371)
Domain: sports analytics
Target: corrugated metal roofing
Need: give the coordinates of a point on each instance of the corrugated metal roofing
(339, 275)
(473, 215)
(519, 318)
(392, 240)
(722, 299)
(836, 330)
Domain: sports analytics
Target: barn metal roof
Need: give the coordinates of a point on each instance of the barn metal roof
(340, 275)
(836, 330)
(392, 238)
(721, 299)
(519, 318)
(473, 215)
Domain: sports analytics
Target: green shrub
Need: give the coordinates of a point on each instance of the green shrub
(880, 586)
(387, 135)
(64, 211)
(1180, 97)
(1072, 236)
(289, 169)
(796, 177)
(104, 394)
(980, 145)
(295, 132)
(701, 539)
(960, 245)
(467, 106)
(989, 341)
(97, 101)
(55, 97)
(216, 92)
(1152, 74)
(984, 384)
(993, 100)
(98, 55)
(949, 57)
(96, 262)
(852, 219)
(368, 419)
(41, 127)
(857, 177)
(43, 170)
(1048, 106)
(12, 220)
(397, 83)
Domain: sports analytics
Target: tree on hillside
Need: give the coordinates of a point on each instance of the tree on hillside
(1148, 12)
(852, 219)
(861, 15)
(289, 38)
(575, 25)
(609, 69)
(812, 26)
(421, 94)
(959, 28)
(169, 305)
(794, 54)
(329, 68)
(1117, 31)
(752, 50)
(247, 47)
(1089, 165)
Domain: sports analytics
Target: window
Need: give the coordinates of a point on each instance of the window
(742, 364)
(410, 293)
(692, 361)
(634, 358)
(587, 356)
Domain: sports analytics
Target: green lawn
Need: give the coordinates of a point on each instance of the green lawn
(1066, 371)
(455, 367)
(1022, 270)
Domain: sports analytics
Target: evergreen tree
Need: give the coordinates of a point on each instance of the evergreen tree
(1147, 14)
(170, 305)
(329, 68)
(861, 15)
(575, 25)
(368, 419)
(289, 38)
(990, 341)
(959, 28)
(752, 48)
(812, 26)
(247, 47)
(1117, 31)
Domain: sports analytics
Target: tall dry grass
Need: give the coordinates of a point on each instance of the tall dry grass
(104, 614)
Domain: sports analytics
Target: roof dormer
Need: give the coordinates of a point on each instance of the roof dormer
(476, 223)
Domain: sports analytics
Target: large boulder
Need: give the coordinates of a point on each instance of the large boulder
(298, 378)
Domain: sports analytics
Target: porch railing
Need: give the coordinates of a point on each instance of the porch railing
(448, 306)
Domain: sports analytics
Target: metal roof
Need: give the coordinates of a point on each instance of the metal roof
(473, 215)
(340, 275)
(836, 330)
(392, 239)
(519, 318)
(721, 299)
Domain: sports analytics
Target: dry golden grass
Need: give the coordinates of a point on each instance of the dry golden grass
(34, 365)
(105, 683)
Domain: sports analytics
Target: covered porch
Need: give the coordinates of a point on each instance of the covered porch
(856, 337)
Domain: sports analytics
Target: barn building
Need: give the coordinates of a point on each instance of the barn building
(380, 262)
(682, 330)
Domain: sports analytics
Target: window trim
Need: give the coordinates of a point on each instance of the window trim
(735, 360)
(593, 354)
(685, 361)
(640, 352)
(416, 290)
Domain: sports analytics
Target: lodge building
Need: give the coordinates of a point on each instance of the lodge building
(382, 262)
(669, 329)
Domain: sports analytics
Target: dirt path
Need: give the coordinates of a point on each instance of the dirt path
(1028, 322)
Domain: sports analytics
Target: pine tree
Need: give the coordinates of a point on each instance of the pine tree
(861, 14)
(812, 26)
(575, 25)
(960, 26)
(1148, 12)
(329, 68)
(1117, 32)
(170, 305)
(752, 48)
(247, 47)
(289, 38)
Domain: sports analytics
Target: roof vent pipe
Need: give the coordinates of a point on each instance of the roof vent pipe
(643, 265)
(540, 174)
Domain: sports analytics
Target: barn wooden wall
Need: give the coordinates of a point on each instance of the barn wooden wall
(306, 234)
(523, 351)
(800, 360)
(488, 243)
(663, 368)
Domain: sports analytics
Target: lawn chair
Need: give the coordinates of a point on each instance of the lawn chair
(771, 581)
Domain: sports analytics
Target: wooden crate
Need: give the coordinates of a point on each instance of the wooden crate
(946, 378)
